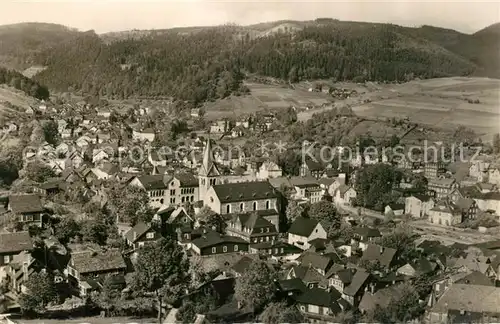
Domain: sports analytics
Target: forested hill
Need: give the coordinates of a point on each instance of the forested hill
(199, 64)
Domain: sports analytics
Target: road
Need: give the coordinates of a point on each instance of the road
(446, 235)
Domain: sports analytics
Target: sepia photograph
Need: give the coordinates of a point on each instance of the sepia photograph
(234, 161)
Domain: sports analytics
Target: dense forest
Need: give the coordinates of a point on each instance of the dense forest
(20, 82)
(200, 64)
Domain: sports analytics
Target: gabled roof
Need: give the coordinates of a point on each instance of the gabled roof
(313, 165)
(383, 255)
(303, 226)
(21, 204)
(90, 261)
(294, 284)
(245, 191)
(186, 179)
(17, 242)
(469, 298)
(136, 232)
(320, 297)
(359, 279)
(366, 231)
(476, 278)
(315, 260)
(214, 238)
(152, 182)
(176, 213)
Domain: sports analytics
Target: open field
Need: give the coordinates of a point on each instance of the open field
(264, 97)
(440, 102)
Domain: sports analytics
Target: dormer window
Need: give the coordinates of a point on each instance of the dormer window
(228, 209)
(268, 204)
(254, 205)
(211, 199)
(242, 207)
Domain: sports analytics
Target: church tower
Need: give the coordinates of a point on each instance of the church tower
(208, 173)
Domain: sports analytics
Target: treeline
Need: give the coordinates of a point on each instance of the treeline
(211, 63)
(20, 82)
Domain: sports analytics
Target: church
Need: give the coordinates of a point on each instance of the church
(235, 195)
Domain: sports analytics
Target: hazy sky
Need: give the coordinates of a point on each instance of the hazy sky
(113, 15)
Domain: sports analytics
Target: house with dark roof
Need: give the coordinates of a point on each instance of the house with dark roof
(344, 195)
(441, 187)
(212, 243)
(85, 267)
(417, 268)
(320, 263)
(307, 189)
(310, 276)
(28, 207)
(141, 234)
(303, 230)
(418, 206)
(243, 197)
(157, 187)
(363, 236)
(354, 292)
(311, 168)
(11, 245)
(321, 305)
(276, 250)
(291, 287)
(252, 228)
(385, 257)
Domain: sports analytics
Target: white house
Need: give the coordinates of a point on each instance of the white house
(268, 170)
(494, 175)
(344, 195)
(147, 134)
(418, 205)
(304, 230)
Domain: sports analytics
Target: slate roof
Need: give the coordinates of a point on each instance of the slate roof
(253, 221)
(320, 297)
(11, 243)
(315, 260)
(359, 279)
(21, 204)
(379, 299)
(90, 261)
(476, 278)
(375, 252)
(214, 238)
(186, 179)
(294, 284)
(244, 191)
(303, 226)
(469, 298)
(153, 182)
(138, 231)
(366, 231)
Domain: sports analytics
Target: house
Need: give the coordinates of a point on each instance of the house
(107, 171)
(417, 268)
(321, 305)
(463, 303)
(269, 169)
(344, 195)
(212, 243)
(259, 196)
(252, 228)
(382, 255)
(85, 267)
(441, 187)
(144, 135)
(318, 262)
(467, 207)
(141, 234)
(276, 250)
(433, 169)
(303, 230)
(104, 112)
(489, 201)
(237, 131)
(195, 112)
(311, 168)
(311, 277)
(418, 205)
(307, 189)
(157, 187)
(364, 235)
(494, 175)
(51, 187)
(395, 208)
(219, 127)
(28, 207)
(445, 213)
(12, 244)
(20, 268)
(354, 292)
(479, 170)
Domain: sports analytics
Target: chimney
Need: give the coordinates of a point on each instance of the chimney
(135, 236)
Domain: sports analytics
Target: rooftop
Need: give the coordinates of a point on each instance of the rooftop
(244, 191)
(15, 242)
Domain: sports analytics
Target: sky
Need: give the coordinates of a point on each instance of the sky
(112, 15)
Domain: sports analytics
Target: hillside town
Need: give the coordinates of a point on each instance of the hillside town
(92, 228)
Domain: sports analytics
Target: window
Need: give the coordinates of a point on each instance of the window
(161, 201)
(172, 200)
(182, 199)
(172, 192)
(150, 235)
(224, 249)
(267, 229)
(214, 250)
(236, 248)
(211, 199)
(242, 207)
(228, 209)
(262, 230)
(254, 205)
(141, 244)
(268, 204)
(6, 259)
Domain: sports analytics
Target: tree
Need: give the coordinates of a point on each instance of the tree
(280, 312)
(374, 186)
(67, 229)
(109, 296)
(38, 172)
(496, 143)
(403, 240)
(325, 211)
(41, 291)
(216, 222)
(162, 270)
(131, 204)
(255, 288)
(293, 211)
(186, 313)
(96, 232)
(51, 132)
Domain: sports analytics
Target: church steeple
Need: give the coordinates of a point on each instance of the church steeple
(208, 172)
